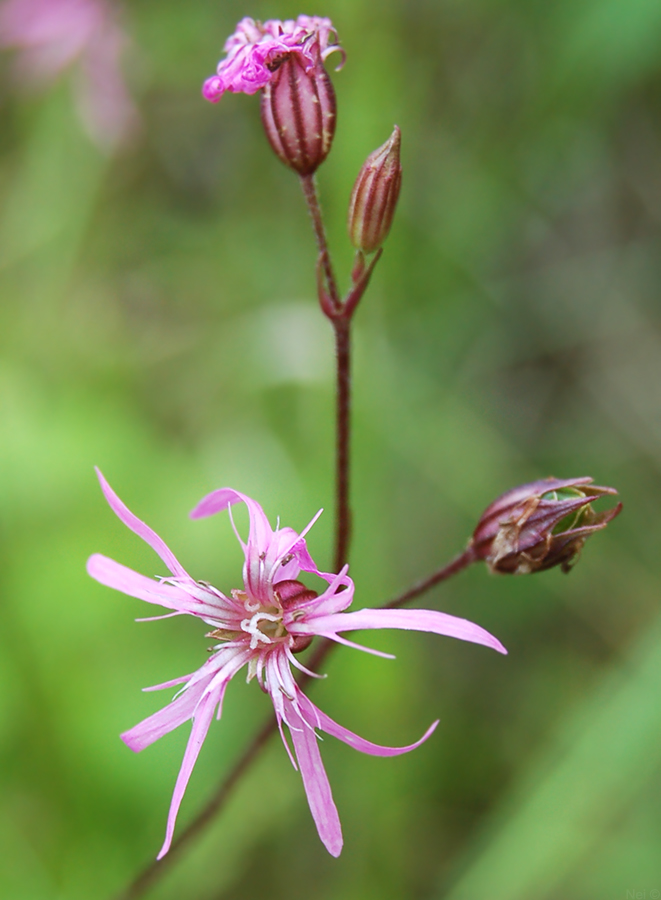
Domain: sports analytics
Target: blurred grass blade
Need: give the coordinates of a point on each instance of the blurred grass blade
(603, 754)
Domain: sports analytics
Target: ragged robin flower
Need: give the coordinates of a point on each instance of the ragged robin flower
(262, 625)
(285, 60)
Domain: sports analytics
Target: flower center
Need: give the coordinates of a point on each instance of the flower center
(264, 621)
(264, 627)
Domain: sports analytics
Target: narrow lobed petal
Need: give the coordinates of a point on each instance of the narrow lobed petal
(271, 556)
(173, 682)
(208, 692)
(260, 529)
(202, 720)
(336, 598)
(216, 671)
(315, 780)
(142, 530)
(316, 717)
(407, 619)
(165, 720)
(121, 578)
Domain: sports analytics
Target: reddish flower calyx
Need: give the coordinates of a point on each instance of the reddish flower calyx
(540, 525)
(298, 110)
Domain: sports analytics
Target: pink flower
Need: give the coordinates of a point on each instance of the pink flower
(256, 50)
(262, 625)
(54, 35)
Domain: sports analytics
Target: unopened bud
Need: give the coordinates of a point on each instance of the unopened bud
(540, 525)
(374, 196)
(298, 113)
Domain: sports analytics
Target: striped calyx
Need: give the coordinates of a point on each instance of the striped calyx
(298, 113)
(374, 196)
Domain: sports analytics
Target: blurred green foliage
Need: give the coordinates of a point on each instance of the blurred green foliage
(157, 319)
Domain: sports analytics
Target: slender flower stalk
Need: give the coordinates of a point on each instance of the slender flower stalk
(340, 314)
(371, 212)
(342, 328)
(329, 294)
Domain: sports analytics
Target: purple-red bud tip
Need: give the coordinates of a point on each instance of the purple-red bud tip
(374, 196)
(540, 525)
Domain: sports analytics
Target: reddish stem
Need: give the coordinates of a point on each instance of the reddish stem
(312, 199)
(342, 327)
(340, 316)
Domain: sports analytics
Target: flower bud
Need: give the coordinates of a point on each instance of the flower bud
(374, 196)
(540, 525)
(298, 113)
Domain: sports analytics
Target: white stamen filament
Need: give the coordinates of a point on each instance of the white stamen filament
(251, 627)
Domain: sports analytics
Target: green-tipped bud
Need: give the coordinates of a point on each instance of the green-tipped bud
(374, 196)
(540, 525)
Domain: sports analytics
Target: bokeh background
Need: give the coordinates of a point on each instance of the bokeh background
(158, 320)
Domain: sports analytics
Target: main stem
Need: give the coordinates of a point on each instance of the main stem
(341, 320)
(343, 437)
(156, 869)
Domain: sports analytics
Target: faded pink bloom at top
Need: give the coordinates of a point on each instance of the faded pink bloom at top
(262, 625)
(256, 50)
(51, 36)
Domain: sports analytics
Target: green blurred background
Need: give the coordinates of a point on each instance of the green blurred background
(158, 320)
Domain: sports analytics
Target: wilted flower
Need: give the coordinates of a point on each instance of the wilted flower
(256, 51)
(540, 525)
(261, 626)
(374, 196)
(285, 59)
(54, 35)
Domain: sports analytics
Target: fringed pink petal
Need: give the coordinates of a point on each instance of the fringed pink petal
(210, 678)
(264, 549)
(407, 619)
(121, 578)
(212, 691)
(260, 529)
(142, 530)
(336, 598)
(315, 780)
(317, 718)
(165, 720)
(202, 719)
(166, 684)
